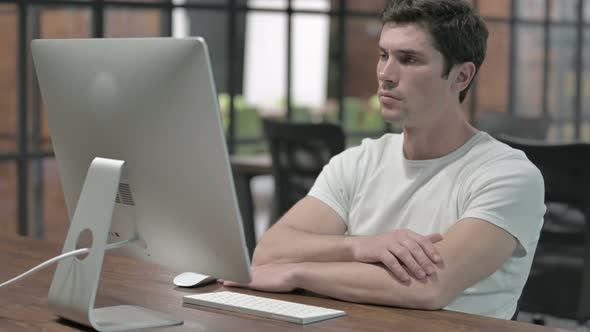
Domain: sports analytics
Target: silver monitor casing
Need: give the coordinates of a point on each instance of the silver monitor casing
(147, 107)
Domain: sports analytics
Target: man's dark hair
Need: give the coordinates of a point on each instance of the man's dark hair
(457, 31)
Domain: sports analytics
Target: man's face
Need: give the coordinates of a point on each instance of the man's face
(411, 87)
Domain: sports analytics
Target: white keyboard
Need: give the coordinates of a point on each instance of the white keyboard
(264, 307)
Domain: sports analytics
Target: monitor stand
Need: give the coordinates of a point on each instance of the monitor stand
(73, 289)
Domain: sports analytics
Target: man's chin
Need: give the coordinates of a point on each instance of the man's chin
(392, 115)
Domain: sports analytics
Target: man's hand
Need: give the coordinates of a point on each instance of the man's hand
(399, 250)
(269, 278)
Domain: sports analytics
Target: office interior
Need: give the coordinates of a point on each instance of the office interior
(303, 61)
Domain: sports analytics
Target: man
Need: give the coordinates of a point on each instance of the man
(370, 229)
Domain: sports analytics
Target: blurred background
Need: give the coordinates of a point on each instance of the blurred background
(302, 60)
(308, 61)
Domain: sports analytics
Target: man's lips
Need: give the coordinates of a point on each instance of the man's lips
(388, 97)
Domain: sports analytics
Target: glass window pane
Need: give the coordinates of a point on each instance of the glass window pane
(8, 194)
(310, 69)
(268, 4)
(64, 23)
(265, 61)
(492, 84)
(134, 22)
(564, 10)
(206, 2)
(529, 65)
(531, 9)
(559, 10)
(562, 83)
(496, 8)
(315, 5)
(8, 78)
(265, 76)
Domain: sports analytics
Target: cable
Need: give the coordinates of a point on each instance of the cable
(56, 259)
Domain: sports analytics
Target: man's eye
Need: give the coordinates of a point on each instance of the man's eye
(382, 56)
(408, 60)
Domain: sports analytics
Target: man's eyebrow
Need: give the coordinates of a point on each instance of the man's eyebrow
(410, 52)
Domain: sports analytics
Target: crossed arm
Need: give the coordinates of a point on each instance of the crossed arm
(307, 249)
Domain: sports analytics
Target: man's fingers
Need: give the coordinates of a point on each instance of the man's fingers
(434, 238)
(420, 257)
(227, 283)
(427, 245)
(394, 266)
(406, 256)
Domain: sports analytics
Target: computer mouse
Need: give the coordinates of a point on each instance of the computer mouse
(192, 279)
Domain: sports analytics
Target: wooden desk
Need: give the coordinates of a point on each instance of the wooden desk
(244, 169)
(23, 305)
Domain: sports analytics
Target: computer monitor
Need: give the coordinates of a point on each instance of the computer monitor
(147, 107)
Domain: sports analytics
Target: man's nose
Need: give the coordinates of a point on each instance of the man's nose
(389, 72)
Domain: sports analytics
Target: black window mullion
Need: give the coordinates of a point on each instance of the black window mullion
(166, 19)
(512, 58)
(37, 170)
(22, 161)
(98, 19)
(289, 64)
(546, 50)
(578, 70)
(231, 85)
(473, 105)
(341, 61)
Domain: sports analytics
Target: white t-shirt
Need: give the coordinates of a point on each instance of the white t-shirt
(374, 188)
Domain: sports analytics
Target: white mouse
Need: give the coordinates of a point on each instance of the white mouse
(192, 279)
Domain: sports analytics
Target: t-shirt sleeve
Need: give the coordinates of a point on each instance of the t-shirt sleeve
(335, 184)
(510, 194)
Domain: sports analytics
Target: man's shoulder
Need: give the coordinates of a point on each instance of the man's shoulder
(493, 158)
(491, 151)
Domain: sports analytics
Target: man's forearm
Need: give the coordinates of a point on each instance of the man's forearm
(367, 283)
(288, 245)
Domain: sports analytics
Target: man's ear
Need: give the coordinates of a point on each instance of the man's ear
(464, 74)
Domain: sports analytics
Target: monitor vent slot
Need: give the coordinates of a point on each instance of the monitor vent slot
(124, 195)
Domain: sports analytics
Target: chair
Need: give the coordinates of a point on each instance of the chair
(559, 282)
(299, 152)
(500, 123)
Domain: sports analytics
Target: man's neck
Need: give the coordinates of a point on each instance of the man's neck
(443, 137)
